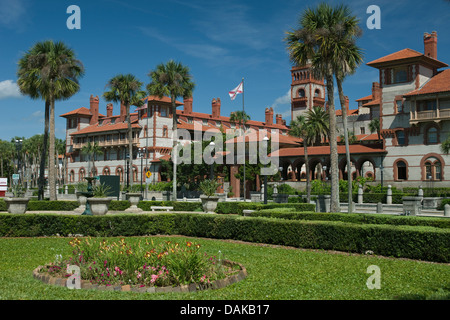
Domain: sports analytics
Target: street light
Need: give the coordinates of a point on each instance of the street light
(211, 175)
(266, 139)
(18, 149)
(142, 152)
(381, 174)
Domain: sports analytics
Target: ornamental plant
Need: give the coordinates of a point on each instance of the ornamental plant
(143, 264)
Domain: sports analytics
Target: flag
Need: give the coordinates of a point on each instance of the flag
(239, 89)
(144, 106)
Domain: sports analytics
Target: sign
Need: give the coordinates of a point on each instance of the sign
(148, 174)
(148, 180)
(15, 176)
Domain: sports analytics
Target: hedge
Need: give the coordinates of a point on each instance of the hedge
(425, 243)
(358, 218)
(238, 207)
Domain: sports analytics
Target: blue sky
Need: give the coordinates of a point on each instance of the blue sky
(221, 42)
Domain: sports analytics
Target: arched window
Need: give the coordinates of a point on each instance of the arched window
(106, 171)
(317, 93)
(301, 93)
(119, 172)
(433, 169)
(81, 175)
(401, 170)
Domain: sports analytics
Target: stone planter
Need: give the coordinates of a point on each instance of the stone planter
(99, 206)
(134, 199)
(17, 205)
(209, 203)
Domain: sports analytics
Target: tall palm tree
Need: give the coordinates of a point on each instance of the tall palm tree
(126, 89)
(239, 117)
(92, 150)
(49, 71)
(301, 128)
(173, 80)
(315, 42)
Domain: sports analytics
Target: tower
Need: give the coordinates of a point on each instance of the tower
(306, 91)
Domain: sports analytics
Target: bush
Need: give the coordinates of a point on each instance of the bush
(57, 205)
(238, 207)
(357, 218)
(425, 243)
(443, 203)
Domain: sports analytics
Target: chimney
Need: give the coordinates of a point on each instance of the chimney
(94, 109)
(279, 119)
(123, 112)
(347, 103)
(188, 105)
(376, 90)
(430, 44)
(109, 110)
(269, 116)
(216, 108)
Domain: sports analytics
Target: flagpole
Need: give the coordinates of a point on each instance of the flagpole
(243, 120)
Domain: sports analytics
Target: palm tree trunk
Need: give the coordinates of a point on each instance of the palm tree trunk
(41, 180)
(51, 153)
(308, 179)
(174, 149)
(347, 149)
(130, 143)
(334, 207)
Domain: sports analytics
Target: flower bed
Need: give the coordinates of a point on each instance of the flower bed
(144, 267)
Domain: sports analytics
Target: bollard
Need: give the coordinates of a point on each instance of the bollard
(360, 194)
(389, 195)
(447, 210)
(379, 207)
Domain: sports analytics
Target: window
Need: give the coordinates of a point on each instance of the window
(399, 106)
(205, 122)
(433, 169)
(400, 74)
(301, 93)
(317, 93)
(165, 132)
(432, 135)
(189, 120)
(363, 130)
(401, 170)
(400, 138)
(163, 111)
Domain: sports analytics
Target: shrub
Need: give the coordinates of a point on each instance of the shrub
(443, 203)
(414, 242)
(238, 207)
(56, 205)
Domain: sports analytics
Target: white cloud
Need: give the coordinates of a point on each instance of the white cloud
(9, 89)
(286, 99)
(36, 116)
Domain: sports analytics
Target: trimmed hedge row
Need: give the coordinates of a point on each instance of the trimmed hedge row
(238, 207)
(358, 218)
(425, 243)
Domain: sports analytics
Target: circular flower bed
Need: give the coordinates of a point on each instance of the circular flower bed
(145, 267)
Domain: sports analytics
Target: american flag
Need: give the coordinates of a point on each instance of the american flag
(144, 106)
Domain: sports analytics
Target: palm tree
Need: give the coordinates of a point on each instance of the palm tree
(319, 122)
(351, 138)
(49, 71)
(315, 42)
(301, 128)
(173, 80)
(445, 146)
(92, 150)
(239, 117)
(126, 89)
(374, 126)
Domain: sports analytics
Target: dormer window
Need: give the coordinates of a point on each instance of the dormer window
(301, 93)
(400, 74)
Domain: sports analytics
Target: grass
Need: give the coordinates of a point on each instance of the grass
(274, 273)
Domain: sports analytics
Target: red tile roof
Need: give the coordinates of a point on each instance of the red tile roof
(325, 150)
(350, 112)
(372, 103)
(403, 55)
(81, 111)
(256, 136)
(438, 83)
(163, 99)
(365, 98)
(105, 127)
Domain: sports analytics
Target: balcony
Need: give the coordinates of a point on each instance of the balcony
(429, 115)
(107, 143)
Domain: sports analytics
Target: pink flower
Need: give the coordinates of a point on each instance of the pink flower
(154, 277)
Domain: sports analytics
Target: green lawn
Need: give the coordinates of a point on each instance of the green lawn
(273, 273)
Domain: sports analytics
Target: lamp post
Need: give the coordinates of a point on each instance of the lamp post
(128, 169)
(381, 174)
(142, 152)
(211, 175)
(266, 139)
(18, 149)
